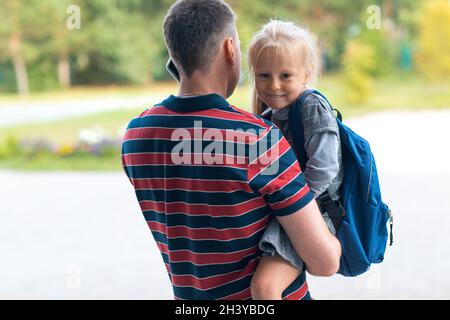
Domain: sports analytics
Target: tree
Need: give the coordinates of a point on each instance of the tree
(122, 41)
(65, 39)
(433, 57)
(14, 27)
(358, 62)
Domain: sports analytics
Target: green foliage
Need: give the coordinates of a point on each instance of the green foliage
(433, 56)
(43, 76)
(121, 34)
(7, 83)
(359, 62)
(10, 147)
(121, 41)
(385, 51)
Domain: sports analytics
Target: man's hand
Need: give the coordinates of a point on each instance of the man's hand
(312, 240)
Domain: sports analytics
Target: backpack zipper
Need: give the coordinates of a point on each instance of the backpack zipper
(391, 224)
(370, 180)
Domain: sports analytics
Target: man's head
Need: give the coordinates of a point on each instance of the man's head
(195, 31)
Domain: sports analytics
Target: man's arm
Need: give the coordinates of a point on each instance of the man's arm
(312, 240)
(291, 201)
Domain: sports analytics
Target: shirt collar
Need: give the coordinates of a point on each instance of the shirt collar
(192, 104)
(281, 114)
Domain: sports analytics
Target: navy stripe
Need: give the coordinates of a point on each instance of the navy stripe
(208, 246)
(195, 197)
(295, 285)
(134, 123)
(275, 168)
(207, 221)
(189, 172)
(307, 198)
(183, 121)
(159, 237)
(214, 293)
(203, 271)
(294, 185)
(165, 257)
(197, 103)
(167, 146)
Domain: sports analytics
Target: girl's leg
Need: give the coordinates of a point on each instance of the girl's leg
(272, 276)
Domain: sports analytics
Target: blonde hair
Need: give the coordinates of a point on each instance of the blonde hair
(283, 38)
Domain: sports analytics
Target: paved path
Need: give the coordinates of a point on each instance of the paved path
(20, 113)
(82, 236)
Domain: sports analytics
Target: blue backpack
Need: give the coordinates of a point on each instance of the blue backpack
(362, 229)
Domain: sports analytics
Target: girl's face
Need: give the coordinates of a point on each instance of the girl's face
(278, 80)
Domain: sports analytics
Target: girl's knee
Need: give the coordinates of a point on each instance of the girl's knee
(263, 288)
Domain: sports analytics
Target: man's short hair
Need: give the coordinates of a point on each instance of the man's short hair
(194, 30)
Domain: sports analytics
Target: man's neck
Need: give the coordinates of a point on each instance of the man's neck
(202, 84)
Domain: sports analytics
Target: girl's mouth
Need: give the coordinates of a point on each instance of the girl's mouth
(275, 96)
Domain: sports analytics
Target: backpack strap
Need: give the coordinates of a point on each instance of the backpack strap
(297, 129)
(334, 209)
(296, 125)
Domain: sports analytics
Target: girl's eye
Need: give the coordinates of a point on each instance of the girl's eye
(285, 76)
(263, 75)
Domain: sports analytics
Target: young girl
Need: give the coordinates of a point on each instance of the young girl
(284, 62)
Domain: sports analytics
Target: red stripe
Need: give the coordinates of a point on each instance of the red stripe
(299, 293)
(282, 180)
(191, 185)
(205, 258)
(210, 258)
(246, 294)
(175, 134)
(136, 159)
(266, 159)
(214, 281)
(208, 233)
(216, 113)
(291, 200)
(147, 158)
(203, 209)
(156, 226)
(254, 119)
(162, 247)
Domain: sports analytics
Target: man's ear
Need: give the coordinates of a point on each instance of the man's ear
(230, 50)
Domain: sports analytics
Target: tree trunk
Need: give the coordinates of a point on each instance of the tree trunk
(64, 71)
(20, 67)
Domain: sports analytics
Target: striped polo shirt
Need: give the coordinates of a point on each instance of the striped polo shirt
(208, 177)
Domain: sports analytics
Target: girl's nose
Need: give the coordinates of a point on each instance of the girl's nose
(275, 84)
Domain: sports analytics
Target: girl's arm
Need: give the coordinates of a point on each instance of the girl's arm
(312, 240)
(321, 144)
(322, 165)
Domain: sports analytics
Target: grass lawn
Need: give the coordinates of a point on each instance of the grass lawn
(86, 92)
(70, 163)
(401, 92)
(65, 131)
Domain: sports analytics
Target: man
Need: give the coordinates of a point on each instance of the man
(208, 176)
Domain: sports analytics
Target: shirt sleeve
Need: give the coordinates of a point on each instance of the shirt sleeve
(322, 165)
(274, 173)
(321, 144)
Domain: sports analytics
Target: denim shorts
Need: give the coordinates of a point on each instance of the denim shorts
(275, 241)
